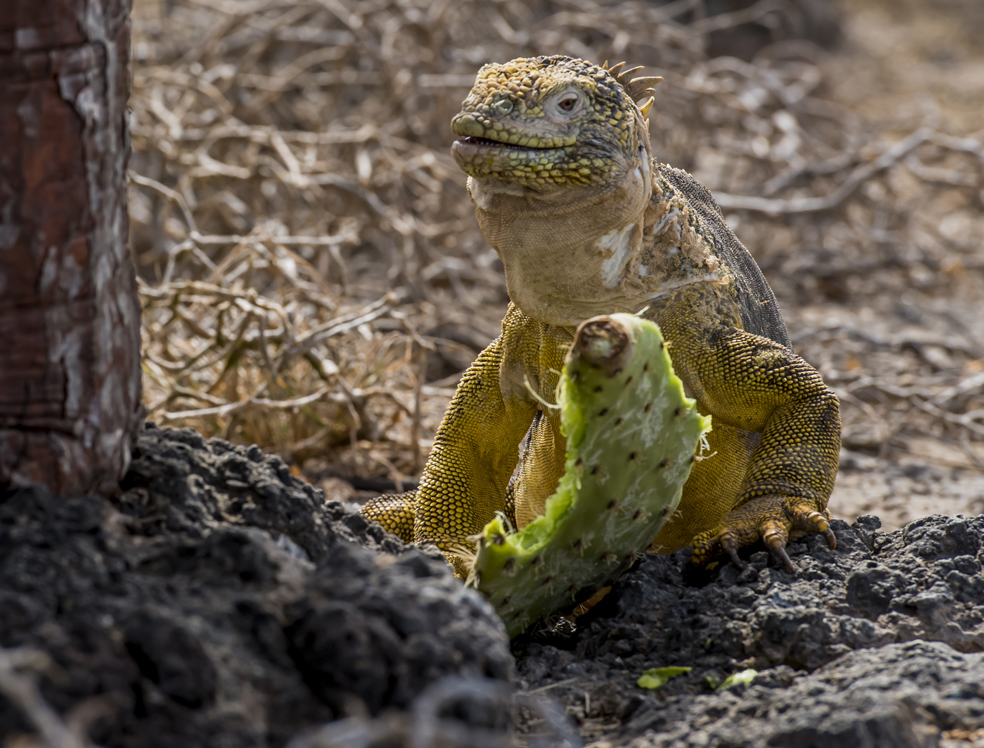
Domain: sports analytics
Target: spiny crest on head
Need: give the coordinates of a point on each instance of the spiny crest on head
(637, 88)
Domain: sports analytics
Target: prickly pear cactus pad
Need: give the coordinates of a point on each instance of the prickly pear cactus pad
(632, 436)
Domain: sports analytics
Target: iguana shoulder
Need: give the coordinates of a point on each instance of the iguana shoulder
(760, 312)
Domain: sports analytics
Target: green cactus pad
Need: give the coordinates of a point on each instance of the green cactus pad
(632, 436)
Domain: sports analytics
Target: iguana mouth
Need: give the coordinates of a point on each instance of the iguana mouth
(511, 153)
(490, 143)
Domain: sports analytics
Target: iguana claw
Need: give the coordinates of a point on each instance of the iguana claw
(770, 519)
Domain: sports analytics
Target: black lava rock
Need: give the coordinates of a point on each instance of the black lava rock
(220, 601)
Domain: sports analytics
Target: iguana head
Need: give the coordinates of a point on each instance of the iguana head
(559, 168)
(544, 122)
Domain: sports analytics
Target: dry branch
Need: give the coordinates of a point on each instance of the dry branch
(19, 670)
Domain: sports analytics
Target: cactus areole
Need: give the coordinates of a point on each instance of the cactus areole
(632, 438)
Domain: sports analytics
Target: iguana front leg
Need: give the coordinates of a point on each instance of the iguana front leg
(475, 452)
(755, 384)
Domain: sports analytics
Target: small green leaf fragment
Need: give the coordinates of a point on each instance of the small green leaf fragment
(744, 678)
(657, 677)
(712, 682)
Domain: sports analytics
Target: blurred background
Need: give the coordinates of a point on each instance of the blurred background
(312, 275)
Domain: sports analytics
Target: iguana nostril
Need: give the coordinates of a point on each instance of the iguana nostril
(503, 107)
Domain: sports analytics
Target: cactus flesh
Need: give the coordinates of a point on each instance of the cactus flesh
(632, 436)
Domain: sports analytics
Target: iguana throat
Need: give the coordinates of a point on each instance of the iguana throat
(566, 261)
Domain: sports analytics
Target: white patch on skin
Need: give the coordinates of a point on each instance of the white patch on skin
(30, 117)
(664, 222)
(482, 198)
(619, 241)
(482, 190)
(27, 39)
(702, 278)
(8, 235)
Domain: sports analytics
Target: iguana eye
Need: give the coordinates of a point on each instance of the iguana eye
(567, 103)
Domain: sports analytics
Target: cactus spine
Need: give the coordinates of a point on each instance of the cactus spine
(632, 437)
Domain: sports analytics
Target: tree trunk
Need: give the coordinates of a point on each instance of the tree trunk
(69, 312)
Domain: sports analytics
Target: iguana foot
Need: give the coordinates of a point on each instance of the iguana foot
(770, 519)
(395, 512)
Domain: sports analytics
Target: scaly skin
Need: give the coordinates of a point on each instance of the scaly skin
(586, 223)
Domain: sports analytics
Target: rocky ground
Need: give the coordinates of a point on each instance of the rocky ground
(220, 601)
(876, 643)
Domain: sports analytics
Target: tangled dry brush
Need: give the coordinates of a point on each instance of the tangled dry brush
(312, 275)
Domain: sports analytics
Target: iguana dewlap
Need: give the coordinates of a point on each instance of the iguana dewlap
(559, 167)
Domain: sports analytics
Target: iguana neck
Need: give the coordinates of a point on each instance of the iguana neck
(565, 251)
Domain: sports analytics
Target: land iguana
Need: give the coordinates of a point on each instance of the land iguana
(560, 170)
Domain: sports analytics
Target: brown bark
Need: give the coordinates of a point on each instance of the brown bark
(69, 313)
